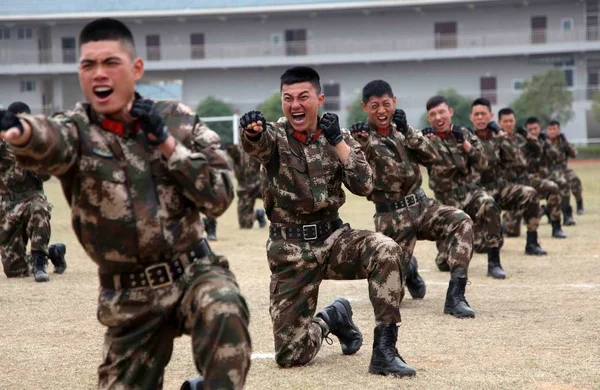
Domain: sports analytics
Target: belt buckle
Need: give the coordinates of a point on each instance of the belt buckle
(410, 200)
(161, 282)
(309, 237)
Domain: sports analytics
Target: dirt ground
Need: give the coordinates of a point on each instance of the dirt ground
(538, 329)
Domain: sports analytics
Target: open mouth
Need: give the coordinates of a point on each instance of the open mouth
(440, 124)
(298, 117)
(103, 92)
(382, 118)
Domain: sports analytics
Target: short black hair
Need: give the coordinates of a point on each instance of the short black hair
(531, 120)
(19, 108)
(107, 29)
(435, 101)
(554, 123)
(301, 74)
(482, 102)
(377, 88)
(505, 111)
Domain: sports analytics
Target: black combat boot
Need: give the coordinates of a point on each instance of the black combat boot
(193, 384)
(557, 231)
(385, 359)
(456, 303)
(494, 268)
(210, 225)
(260, 217)
(532, 247)
(414, 282)
(443, 266)
(546, 211)
(39, 262)
(567, 212)
(580, 207)
(337, 319)
(56, 253)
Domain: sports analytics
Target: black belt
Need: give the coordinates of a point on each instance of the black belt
(407, 201)
(308, 232)
(156, 275)
(18, 196)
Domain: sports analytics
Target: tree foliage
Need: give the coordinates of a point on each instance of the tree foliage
(356, 113)
(210, 107)
(271, 107)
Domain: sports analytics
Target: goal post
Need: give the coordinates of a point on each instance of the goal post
(234, 124)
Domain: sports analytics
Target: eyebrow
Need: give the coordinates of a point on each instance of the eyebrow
(107, 59)
(290, 95)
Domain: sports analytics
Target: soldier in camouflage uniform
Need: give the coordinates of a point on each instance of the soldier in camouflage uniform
(503, 155)
(137, 174)
(307, 159)
(454, 179)
(561, 150)
(403, 211)
(25, 215)
(250, 184)
(529, 153)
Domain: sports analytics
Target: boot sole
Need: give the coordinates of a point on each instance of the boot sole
(459, 315)
(348, 311)
(381, 371)
(496, 277)
(535, 253)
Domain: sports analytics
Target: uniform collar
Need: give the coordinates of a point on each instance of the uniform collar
(444, 134)
(303, 136)
(112, 126)
(381, 130)
(484, 134)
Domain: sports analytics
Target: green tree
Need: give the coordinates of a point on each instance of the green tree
(214, 107)
(271, 107)
(356, 113)
(461, 105)
(545, 96)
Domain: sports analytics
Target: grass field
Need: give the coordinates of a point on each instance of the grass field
(538, 329)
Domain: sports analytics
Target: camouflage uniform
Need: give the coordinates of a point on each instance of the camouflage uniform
(454, 178)
(527, 170)
(304, 187)
(503, 156)
(394, 159)
(137, 215)
(24, 214)
(250, 183)
(559, 152)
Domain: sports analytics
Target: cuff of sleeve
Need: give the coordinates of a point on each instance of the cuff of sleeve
(351, 161)
(34, 140)
(179, 156)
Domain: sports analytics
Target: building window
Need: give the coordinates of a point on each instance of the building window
(591, 20)
(566, 24)
(538, 29)
(332, 97)
(592, 85)
(27, 86)
(570, 77)
(24, 33)
(69, 53)
(295, 41)
(197, 45)
(4, 33)
(445, 35)
(517, 84)
(153, 47)
(488, 87)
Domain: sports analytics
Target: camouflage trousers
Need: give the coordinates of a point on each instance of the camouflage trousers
(245, 208)
(21, 222)
(297, 269)
(546, 189)
(484, 212)
(574, 184)
(143, 323)
(523, 200)
(429, 220)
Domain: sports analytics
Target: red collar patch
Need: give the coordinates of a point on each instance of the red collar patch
(304, 137)
(383, 130)
(484, 134)
(444, 134)
(117, 127)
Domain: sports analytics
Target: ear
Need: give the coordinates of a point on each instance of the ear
(363, 105)
(321, 99)
(451, 111)
(394, 100)
(138, 69)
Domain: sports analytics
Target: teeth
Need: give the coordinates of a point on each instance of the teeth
(102, 89)
(298, 115)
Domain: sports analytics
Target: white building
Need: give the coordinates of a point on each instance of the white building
(236, 49)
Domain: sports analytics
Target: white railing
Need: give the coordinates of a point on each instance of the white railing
(330, 46)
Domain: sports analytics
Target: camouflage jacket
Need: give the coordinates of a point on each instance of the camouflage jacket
(304, 180)
(455, 168)
(15, 179)
(526, 150)
(559, 152)
(129, 204)
(245, 168)
(394, 159)
(500, 153)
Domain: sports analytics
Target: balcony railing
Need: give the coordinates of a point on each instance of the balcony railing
(443, 43)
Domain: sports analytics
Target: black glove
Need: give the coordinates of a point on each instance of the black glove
(330, 124)
(543, 136)
(428, 130)
(8, 120)
(458, 134)
(494, 127)
(152, 123)
(522, 131)
(359, 127)
(250, 117)
(562, 137)
(400, 121)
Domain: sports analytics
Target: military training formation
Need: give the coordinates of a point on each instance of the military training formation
(146, 182)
